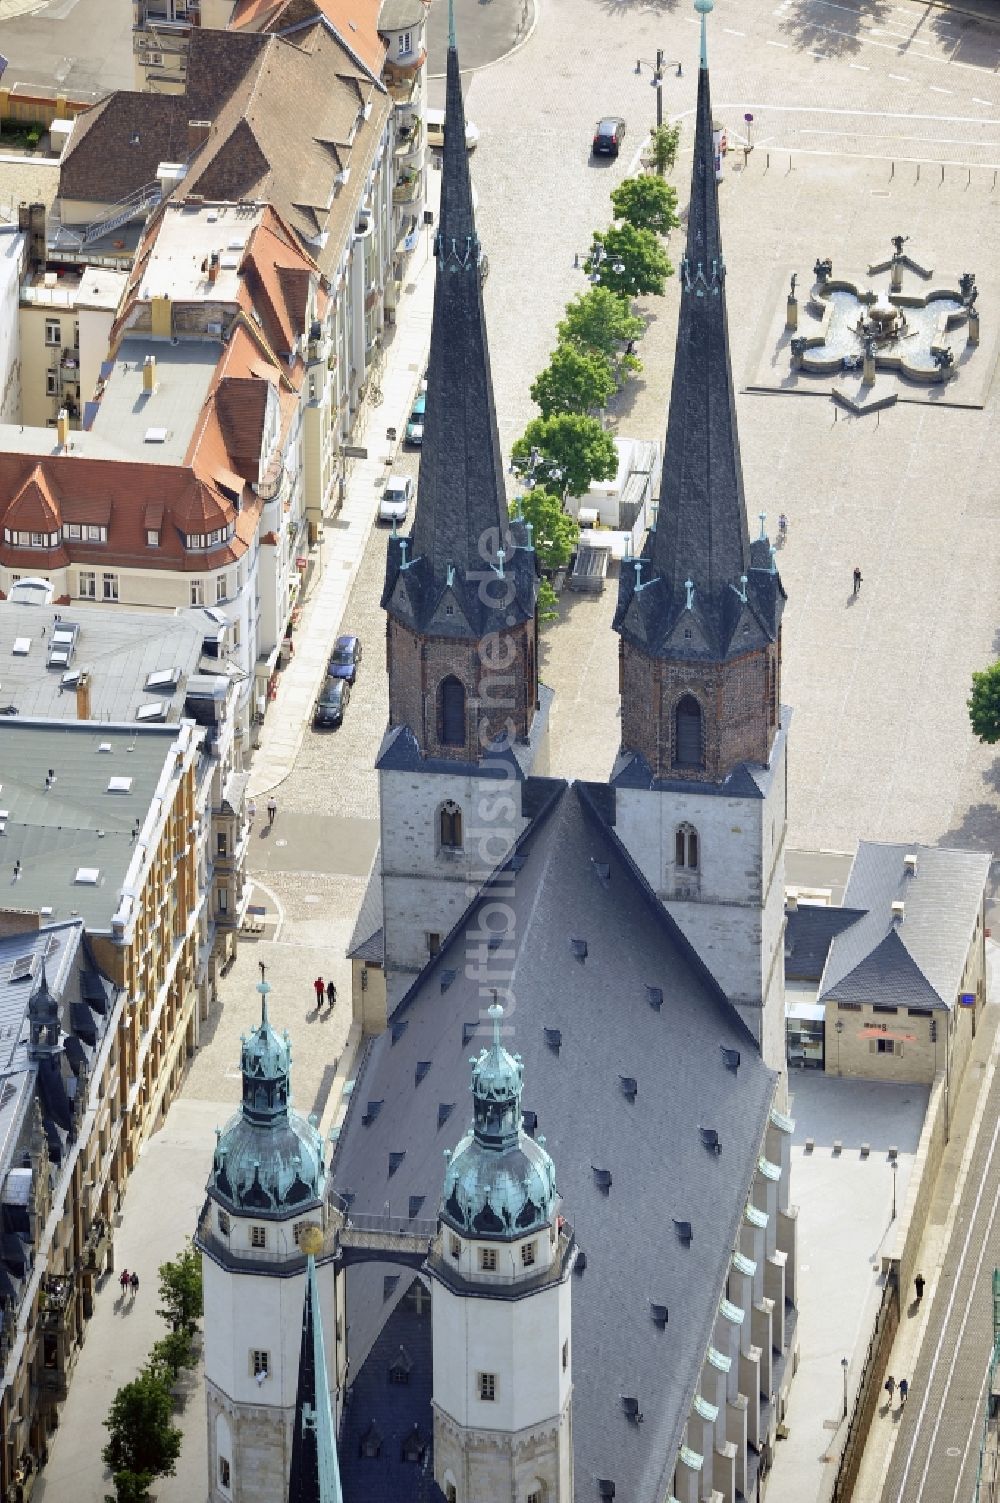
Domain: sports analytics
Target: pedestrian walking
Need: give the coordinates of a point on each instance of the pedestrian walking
(319, 988)
(272, 809)
(123, 1280)
(890, 1386)
(134, 1284)
(919, 1283)
(252, 810)
(857, 580)
(331, 995)
(904, 1389)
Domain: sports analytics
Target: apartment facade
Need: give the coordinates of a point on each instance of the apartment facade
(64, 327)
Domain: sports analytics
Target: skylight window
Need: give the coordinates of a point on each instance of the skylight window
(164, 678)
(154, 709)
(105, 746)
(155, 436)
(120, 785)
(87, 876)
(22, 646)
(22, 968)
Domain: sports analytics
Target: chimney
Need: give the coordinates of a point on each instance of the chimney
(910, 863)
(791, 901)
(83, 697)
(149, 373)
(213, 268)
(198, 133)
(62, 428)
(898, 910)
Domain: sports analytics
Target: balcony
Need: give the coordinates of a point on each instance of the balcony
(409, 145)
(55, 1304)
(407, 187)
(401, 70)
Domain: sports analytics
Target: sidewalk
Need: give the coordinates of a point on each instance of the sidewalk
(346, 535)
(952, 1175)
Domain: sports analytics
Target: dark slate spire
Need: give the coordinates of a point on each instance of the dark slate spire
(315, 1474)
(460, 523)
(698, 561)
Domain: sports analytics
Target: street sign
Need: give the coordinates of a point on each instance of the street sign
(354, 451)
(967, 999)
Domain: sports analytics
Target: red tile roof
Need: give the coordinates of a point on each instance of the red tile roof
(355, 22)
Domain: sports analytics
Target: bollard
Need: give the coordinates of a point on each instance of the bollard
(968, 181)
(768, 163)
(942, 175)
(892, 174)
(918, 172)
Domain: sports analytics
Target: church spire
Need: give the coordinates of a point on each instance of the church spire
(461, 533)
(315, 1474)
(699, 556)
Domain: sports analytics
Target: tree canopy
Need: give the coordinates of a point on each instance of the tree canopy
(180, 1290)
(647, 202)
(142, 1443)
(984, 704)
(664, 142)
(633, 263)
(574, 380)
(573, 452)
(600, 321)
(554, 533)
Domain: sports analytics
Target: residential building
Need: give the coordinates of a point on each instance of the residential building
(61, 1170)
(64, 331)
(13, 254)
(402, 24)
(891, 985)
(299, 122)
(108, 665)
(672, 1329)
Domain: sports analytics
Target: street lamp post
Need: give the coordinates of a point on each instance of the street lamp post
(845, 1364)
(657, 79)
(893, 1166)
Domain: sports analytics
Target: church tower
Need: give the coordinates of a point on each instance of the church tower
(460, 594)
(500, 1305)
(266, 1207)
(315, 1474)
(700, 782)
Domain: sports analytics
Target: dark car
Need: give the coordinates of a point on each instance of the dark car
(332, 702)
(608, 136)
(345, 658)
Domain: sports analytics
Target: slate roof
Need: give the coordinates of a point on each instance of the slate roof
(581, 1025)
(917, 961)
(367, 940)
(701, 530)
(436, 580)
(314, 1476)
(809, 932)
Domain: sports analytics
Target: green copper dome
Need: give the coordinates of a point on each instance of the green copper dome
(500, 1183)
(268, 1158)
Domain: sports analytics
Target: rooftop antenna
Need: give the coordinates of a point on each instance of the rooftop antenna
(763, 526)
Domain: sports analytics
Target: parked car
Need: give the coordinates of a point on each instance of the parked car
(609, 134)
(435, 131)
(331, 702)
(415, 427)
(395, 503)
(345, 658)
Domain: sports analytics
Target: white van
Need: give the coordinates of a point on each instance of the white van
(435, 131)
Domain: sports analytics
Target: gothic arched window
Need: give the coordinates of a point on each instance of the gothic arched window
(686, 848)
(451, 712)
(687, 733)
(450, 827)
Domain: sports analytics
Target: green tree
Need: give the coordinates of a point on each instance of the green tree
(574, 380)
(984, 704)
(573, 452)
(171, 1353)
(628, 261)
(180, 1290)
(130, 1487)
(548, 602)
(602, 322)
(647, 202)
(553, 532)
(142, 1444)
(663, 144)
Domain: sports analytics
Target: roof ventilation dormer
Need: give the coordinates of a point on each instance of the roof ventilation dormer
(602, 1179)
(654, 996)
(791, 901)
(629, 1086)
(898, 911)
(910, 863)
(631, 1410)
(685, 1232)
(730, 1058)
(710, 1138)
(659, 1314)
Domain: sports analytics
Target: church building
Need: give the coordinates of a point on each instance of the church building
(581, 1285)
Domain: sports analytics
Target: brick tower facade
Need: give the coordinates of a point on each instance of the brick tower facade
(700, 781)
(465, 709)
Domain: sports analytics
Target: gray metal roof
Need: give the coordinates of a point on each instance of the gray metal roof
(77, 824)
(119, 649)
(809, 932)
(127, 413)
(367, 941)
(581, 1025)
(396, 14)
(919, 959)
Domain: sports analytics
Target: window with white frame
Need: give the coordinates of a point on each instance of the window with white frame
(152, 537)
(51, 383)
(88, 585)
(260, 1363)
(527, 1254)
(223, 900)
(258, 1236)
(96, 534)
(53, 331)
(197, 592)
(109, 586)
(486, 1383)
(405, 43)
(221, 590)
(73, 532)
(38, 539)
(488, 1259)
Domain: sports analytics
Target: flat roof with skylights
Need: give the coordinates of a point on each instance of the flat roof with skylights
(189, 235)
(73, 799)
(156, 427)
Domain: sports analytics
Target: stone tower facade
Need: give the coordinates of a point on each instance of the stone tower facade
(465, 709)
(501, 1305)
(700, 784)
(266, 1192)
